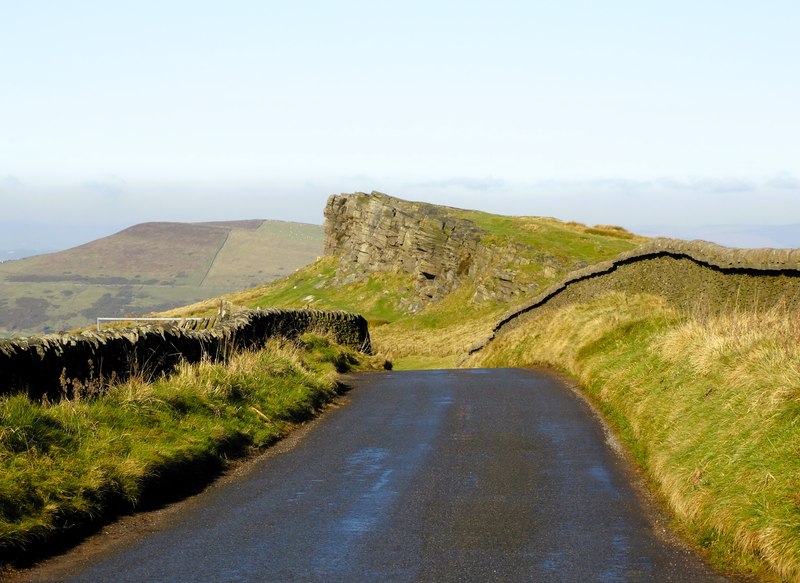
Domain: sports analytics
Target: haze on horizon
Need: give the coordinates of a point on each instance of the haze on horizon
(676, 115)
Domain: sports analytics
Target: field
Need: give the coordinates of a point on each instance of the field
(148, 268)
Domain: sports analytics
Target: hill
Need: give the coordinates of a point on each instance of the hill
(688, 350)
(431, 279)
(148, 267)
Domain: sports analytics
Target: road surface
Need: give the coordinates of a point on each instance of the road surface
(462, 475)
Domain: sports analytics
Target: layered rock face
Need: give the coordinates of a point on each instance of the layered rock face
(377, 232)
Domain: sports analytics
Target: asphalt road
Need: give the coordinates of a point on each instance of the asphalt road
(464, 475)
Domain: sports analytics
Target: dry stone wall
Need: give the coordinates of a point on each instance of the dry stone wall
(691, 275)
(54, 364)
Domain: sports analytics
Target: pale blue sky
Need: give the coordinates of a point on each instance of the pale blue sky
(625, 112)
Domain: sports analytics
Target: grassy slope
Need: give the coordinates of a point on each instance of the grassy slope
(173, 252)
(273, 250)
(70, 462)
(541, 251)
(710, 407)
(146, 268)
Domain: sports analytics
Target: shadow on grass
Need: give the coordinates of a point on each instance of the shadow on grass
(174, 481)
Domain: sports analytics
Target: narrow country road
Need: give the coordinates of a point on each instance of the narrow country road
(462, 475)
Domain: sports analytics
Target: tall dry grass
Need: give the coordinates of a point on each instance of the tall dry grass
(708, 404)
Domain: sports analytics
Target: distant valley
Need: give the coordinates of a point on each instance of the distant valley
(148, 267)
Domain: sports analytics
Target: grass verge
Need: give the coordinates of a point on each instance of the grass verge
(708, 405)
(72, 464)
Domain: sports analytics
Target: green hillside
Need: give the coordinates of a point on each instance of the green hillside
(146, 268)
(414, 332)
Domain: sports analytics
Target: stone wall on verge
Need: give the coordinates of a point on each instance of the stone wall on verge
(691, 275)
(49, 365)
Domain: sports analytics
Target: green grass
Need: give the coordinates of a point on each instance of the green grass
(315, 286)
(424, 362)
(709, 406)
(71, 462)
(71, 306)
(242, 261)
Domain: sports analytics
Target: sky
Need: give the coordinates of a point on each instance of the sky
(635, 113)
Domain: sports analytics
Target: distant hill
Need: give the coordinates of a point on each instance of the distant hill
(744, 236)
(148, 267)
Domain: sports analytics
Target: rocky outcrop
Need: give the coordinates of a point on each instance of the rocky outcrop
(377, 232)
(54, 365)
(438, 248)
(691, 275)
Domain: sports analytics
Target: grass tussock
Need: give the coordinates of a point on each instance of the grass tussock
(441, 332)
(71, 462)
(709, 405)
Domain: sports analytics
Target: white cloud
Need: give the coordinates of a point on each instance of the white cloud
(10, 183)
(109, 186)
(479, 184)
(784, 181)
(710, 185)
